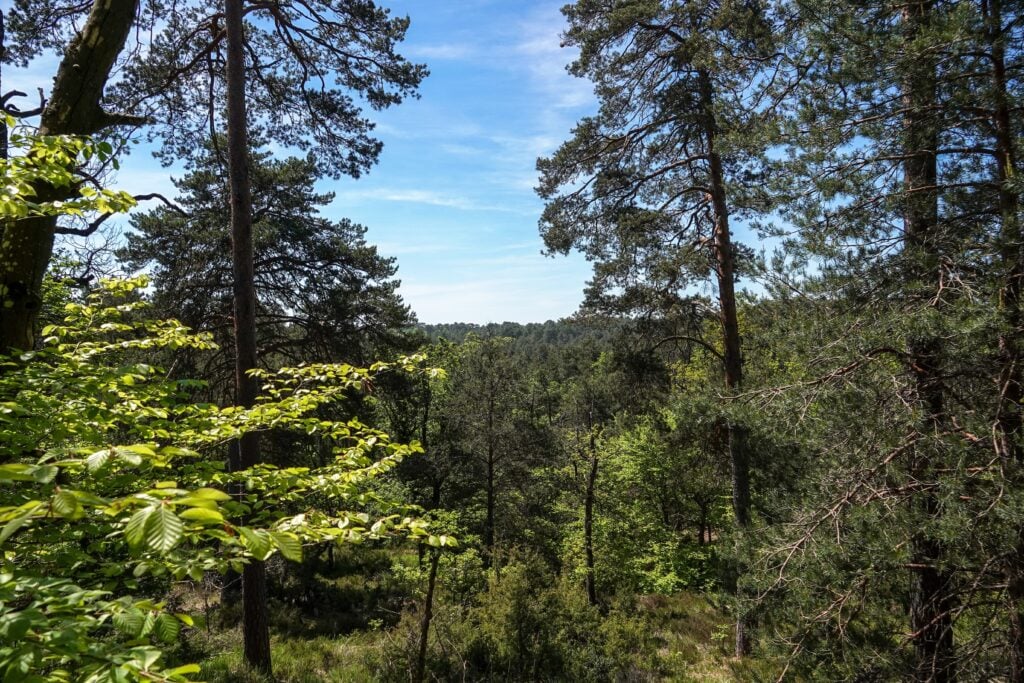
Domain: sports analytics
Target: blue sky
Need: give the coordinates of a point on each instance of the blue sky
(452, 198)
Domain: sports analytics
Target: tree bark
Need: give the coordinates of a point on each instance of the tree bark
(725, 265)
(588, 522)
(491, 494)
(1011, 248)
(428, 614)
(254, 588)
(73, 109)
(931, 585)
(3, 55)
(1011, 255)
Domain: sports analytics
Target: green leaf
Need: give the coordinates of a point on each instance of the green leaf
(166, 628)
(16, 472)
(12, 526)
(129, 456)
(97, 460)
(163, 529)
(44, 474)
(130, 622)
(140, 449)
(148, 622)
(288, 544)
(210, 494)
(257, 542)
(135, 531)
(65, 504)
(176, 452)
(186, 669)
(204, 515)
(14, 626)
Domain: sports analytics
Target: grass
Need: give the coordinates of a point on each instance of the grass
(321, 659)
(695, 646)
(336, 625)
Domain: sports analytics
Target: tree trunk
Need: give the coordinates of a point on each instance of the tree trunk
(489, 522)
(931, 590)
(588, 523)
(428, 614)
(1015, 593)
(1011, 255)
(254, 588)
(1011, 248)
(73, 109)
(725, 265)
(3, 56)
(702, 527)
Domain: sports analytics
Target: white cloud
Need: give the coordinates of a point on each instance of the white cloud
(490, 300)
(427, 197)
(440, 51)
(541, 51)
(405, 248)
(461, 150)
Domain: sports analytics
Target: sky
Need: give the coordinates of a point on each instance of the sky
(452, 198)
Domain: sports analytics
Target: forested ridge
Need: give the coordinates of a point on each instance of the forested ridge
(782, 439)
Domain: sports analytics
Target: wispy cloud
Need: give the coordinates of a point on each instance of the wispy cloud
(462, 150)
(427, 197)
(540, 50)
(485, 300)
(441, 51)
(405, 248)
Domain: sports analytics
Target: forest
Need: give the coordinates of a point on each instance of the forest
(782, 439)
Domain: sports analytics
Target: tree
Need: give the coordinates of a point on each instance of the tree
(324, 294)
(245, 452)
(901, 209)
(73, 108)
(307, 64)
(484, 382)
(590, 404)
(647, 187)
(89, 435)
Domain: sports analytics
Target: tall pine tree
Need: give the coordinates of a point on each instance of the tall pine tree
(648, 188)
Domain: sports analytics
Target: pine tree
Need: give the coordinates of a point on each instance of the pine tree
(898, 188)
(324, 293)
(648, 187)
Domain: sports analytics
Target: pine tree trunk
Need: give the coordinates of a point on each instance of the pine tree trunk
(491, 503)
(931, 590)
(588, 523)
(1010, 381)
(1015, 593)
(489, 521)
(725, 265)
(254, 588)
(1011, 248)
(3, 56)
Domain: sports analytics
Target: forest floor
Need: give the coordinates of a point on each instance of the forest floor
(353, 618)
(695, 640)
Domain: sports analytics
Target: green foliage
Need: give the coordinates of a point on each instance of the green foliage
(53, 160)
(526, 625)
(113, 478)
(663, 497)
(324, 292)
